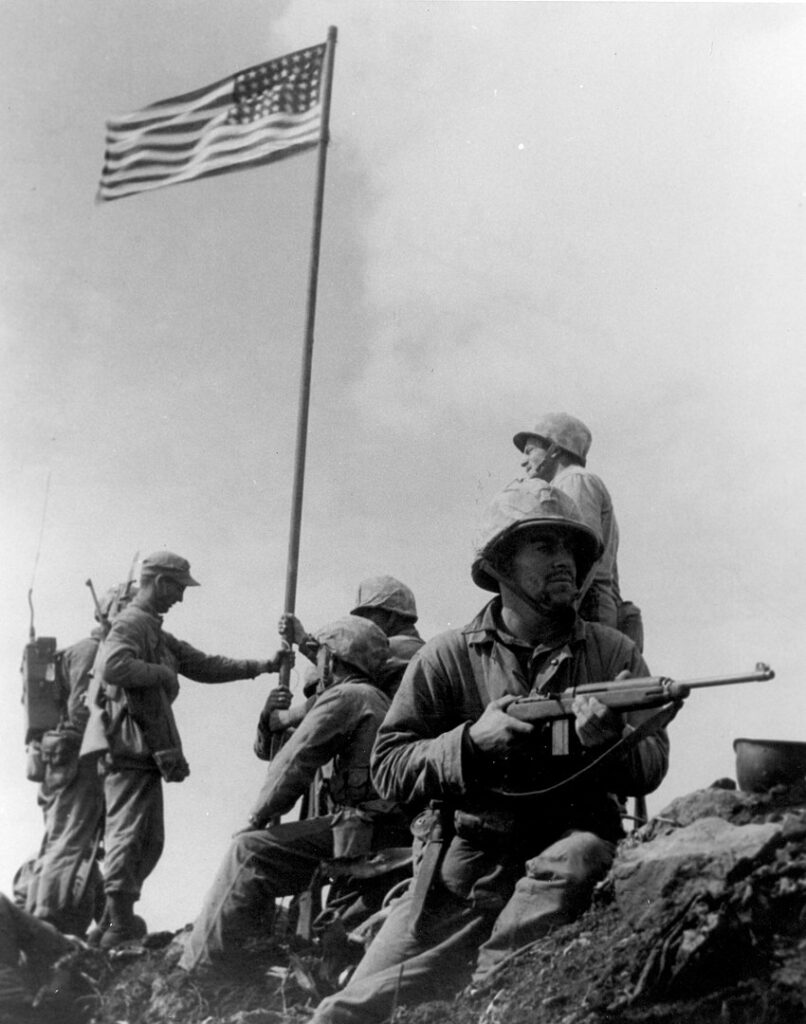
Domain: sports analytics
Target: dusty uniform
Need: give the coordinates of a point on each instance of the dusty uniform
(264, 864)
(513, 867)
(602, 598)
(137, 663)
(72, 800)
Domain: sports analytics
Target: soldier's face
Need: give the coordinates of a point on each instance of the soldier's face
(535, 463)
(544, 565)
(169, 593)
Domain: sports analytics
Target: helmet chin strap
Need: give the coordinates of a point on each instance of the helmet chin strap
(517, 589)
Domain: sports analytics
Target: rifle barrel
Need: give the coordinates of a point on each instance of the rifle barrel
(761, 675)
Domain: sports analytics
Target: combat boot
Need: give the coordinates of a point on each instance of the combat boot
(123, 924)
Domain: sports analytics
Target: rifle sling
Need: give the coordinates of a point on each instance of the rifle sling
(662, 717)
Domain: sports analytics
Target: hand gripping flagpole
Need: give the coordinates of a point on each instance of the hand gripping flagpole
(307, 357)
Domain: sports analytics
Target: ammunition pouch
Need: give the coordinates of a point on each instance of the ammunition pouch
(59, 753)
(125, 736)
(172, 764)
(353, 831)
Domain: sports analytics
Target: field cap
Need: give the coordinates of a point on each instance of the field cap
(166, 563)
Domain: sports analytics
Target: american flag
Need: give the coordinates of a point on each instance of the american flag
(266, 112)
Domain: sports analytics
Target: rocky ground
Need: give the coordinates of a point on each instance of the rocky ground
(702, 919)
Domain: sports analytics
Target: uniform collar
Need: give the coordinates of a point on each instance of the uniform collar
(487, 626)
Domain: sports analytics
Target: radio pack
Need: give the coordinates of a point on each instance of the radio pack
(41, 691)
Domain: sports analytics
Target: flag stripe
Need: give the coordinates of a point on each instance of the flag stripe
(218, 144)
(250, 118)
(254, 158)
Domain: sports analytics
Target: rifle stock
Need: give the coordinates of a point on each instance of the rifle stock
(625, 694)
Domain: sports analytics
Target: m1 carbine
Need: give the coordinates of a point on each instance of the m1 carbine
(624, 695)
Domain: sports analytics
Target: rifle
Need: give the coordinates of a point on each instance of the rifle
(99, 614)
(624, 694)
(646, 693)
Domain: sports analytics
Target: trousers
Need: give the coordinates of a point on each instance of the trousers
(73, 817)
(259, 867)
(135, 828)
(483, 913)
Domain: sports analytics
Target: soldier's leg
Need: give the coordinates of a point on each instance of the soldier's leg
(71, 838)
(259, 867)
(133, 840)
(135, 832)
(556, 889)
(400, 968)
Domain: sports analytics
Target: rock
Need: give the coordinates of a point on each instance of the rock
(706, 803)
(650, 879)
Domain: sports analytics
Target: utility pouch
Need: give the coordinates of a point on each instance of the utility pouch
(34, 765)
(172, 764)
(352, 833)
(59, 752)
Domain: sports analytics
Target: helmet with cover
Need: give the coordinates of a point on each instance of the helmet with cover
(357, 642)
(561, 429)
(531, 505)
(116, 598)
(386, 593)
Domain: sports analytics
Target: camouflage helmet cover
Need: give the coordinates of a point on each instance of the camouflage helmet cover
(531, 504)
(567, 432)
(387, 593)
(357, 642)
(116, 598)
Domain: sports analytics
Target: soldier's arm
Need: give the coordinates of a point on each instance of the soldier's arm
(211, 668)
(422, 749)
(322, 734)
(121, 662)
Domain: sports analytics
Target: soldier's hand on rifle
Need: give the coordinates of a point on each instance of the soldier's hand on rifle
(279, 699)
(291, 629)
(496, 731)
(596, 724)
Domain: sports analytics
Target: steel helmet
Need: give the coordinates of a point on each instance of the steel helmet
(357, 642)
(528, 504)
(388, 593)
(116, 598)
(567, 432)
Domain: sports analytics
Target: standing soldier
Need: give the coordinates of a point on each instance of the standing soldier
(72, 797)
(556, 450)
(521, 820)
(138, 666)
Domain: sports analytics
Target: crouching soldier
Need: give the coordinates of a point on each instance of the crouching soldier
(528, 820)
(267, 860)
(137, 674)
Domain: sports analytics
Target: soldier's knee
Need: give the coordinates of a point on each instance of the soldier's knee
(580, 858)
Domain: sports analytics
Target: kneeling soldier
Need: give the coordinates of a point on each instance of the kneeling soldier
(514, 849)
(269, 861)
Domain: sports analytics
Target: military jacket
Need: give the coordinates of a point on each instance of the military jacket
(339, 727)
(423, 751)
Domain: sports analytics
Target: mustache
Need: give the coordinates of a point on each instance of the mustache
(557, 575)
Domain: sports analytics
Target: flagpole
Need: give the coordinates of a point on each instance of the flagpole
(292, 565)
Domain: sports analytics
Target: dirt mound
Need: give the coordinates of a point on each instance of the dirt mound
(721, 937)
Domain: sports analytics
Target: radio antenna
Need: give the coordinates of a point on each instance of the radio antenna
(31, 630)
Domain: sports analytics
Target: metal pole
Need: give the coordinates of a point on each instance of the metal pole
(307, 355)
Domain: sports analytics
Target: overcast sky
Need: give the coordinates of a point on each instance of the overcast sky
(530, 207)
